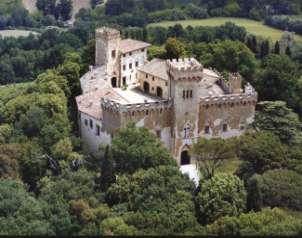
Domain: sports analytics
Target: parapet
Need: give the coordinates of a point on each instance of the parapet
(107, 33)
(186, 68)
(117, 107)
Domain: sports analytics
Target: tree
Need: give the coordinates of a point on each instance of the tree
(157, 200)
(134, 148)
(222, 195)
(65, 7)
(260, 152)
(276, 188)
(174, 48)
(116, 226)
(277, 48)
(10, 154)
(264, 50)
(211, 153)
(268, 222)
(107, 170)
(277, 118)
(21, 212)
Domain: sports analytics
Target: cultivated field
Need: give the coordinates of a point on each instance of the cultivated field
(16, 33)
(254, 27)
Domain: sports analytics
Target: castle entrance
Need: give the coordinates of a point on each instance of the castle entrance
(146, 87)
(114, 82)
(185, 158)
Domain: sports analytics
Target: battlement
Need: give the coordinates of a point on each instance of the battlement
(117, 107)
(186, 68)
(107, 33)
(243, 98)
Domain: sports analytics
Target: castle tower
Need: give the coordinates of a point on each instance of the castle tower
(107, 48)
(185, 76)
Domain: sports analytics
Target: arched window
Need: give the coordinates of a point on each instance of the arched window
(185, 158)
(146, 87)
(159, 92)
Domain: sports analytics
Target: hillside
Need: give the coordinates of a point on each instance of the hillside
(30, 5)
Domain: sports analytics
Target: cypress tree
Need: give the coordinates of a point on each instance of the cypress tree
(107, 170)
(277, 48)
(288, 52)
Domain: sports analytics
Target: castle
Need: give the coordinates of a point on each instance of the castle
(178, 100)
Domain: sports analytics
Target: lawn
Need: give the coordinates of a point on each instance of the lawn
(16, 33)
(254, 27)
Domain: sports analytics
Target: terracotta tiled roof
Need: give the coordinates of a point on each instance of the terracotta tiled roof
(156, 67)
(129, 45)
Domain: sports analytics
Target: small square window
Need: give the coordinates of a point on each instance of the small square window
(130, 53)
(124, 55)
(166, 83)
(124, 67)
(136, 64)
(130, 66)
(143, 50)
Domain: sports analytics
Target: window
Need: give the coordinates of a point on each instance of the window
(130, 66)
(224, 127)
(130, 53)
(124, 67)
(91, 123)
(207, 130)
(187, 93)
(147, 112)
(242, 127)
(113, 54)
(159, 92)
(158, 133)
(191, 93)
(132, 113)
(146, 76)
(124, 81)
(166, 83)
(124, 55)
(136, 64)
(152, 78)
(98, 130)
(183, 94)
(143, 50)
(86, 122)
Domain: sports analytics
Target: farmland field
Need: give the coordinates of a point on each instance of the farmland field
(16, 33)
(254, 27)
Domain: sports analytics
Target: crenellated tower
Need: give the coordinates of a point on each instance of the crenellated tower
(185, 76)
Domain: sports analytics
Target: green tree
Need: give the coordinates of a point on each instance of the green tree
(21, 212)
(157, 200)
(260, 152)
(277, 118)
(174, 48)
(116, 226)
(134, 148)
(276, 188)
(211, 153)
(264, 49)
(10, 155)
(268, 222)
(65, 7)
(277, 48)
(107, 170)
(222, 195)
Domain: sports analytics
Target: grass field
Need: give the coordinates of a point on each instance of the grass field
(254, 27)
(16, 33)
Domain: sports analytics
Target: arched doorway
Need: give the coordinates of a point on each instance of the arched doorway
(146, 87)
(159, 92)
(114, 82)
(185, 158)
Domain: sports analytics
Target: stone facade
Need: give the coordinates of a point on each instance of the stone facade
(178, 100)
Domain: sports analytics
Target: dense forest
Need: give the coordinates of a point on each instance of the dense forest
(51, 185)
